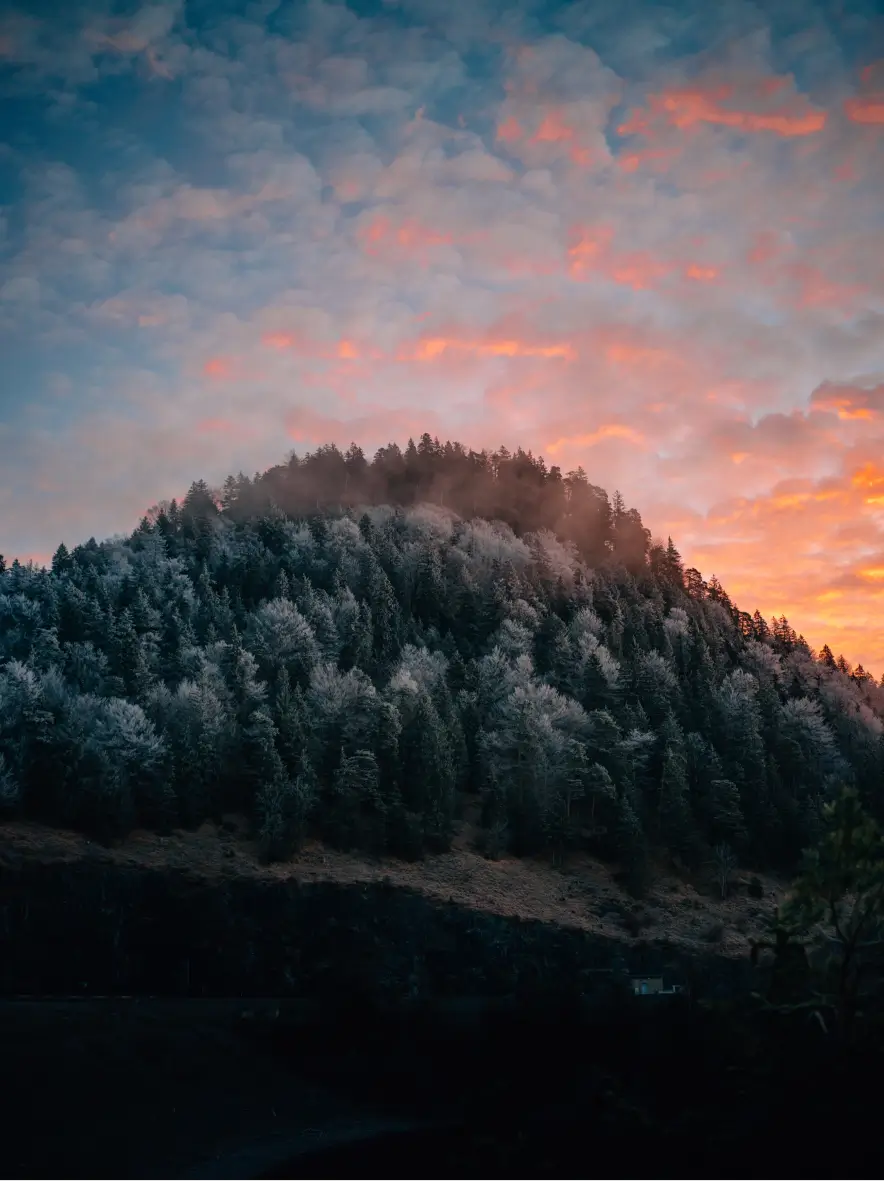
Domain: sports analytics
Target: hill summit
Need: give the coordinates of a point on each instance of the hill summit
(357, 651)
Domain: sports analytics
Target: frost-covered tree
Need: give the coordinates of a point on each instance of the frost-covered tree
(459, 621)
(281, 638)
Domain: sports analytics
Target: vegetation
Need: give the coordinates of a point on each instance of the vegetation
(836, 908)
(350, 648)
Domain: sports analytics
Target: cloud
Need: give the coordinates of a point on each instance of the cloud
(720, 105)
(649, 246)
(868, 109)
(852, 403)
(828, 534)
(612, 430)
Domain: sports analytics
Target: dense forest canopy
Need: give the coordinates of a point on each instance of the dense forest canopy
(351, 649)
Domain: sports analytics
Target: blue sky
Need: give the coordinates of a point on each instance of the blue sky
(642, 238)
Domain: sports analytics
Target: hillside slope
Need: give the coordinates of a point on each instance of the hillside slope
(355, 672)
(583, 894)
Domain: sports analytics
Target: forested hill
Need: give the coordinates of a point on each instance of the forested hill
(352, 650)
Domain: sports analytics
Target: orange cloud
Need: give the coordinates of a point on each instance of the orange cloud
(411, 234)
(375, 231)
(850, 403)
(870, 482)
(816, 289)
(409, 237)
(589, 246)
(689, 106)
(432, 348)
(626, 354)
(278, 340)
(638, 271)
(220, 367)
(591, 252)
(810, 549)
(660, 158)
(509, 131)
(701, 274)
(613, 430)
(868, 109)
(345, 349)
(427, 349)
(553, 130)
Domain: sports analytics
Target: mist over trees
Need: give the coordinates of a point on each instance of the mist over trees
(354, 650)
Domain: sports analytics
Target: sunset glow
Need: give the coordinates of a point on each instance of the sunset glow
(643, 242)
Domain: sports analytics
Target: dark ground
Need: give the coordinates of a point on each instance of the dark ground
(165, 1088)
(156, 1088)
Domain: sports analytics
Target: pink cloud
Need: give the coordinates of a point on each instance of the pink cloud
(867, 109)
(432, 348)
(510, 130)
(593, 252)
(611, 430)
(850, 403)
(687, 316)
(222, 426)
(218, 367)
(712, 104)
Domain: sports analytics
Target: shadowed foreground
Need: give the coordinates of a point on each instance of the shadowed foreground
(164, 1088)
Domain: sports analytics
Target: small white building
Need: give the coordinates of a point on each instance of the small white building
(654, 986)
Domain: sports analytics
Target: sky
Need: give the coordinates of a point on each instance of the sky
(646, 239)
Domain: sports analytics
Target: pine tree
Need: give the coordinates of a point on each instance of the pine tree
(284, 806)
(61, 560)
(673, 814)
(674, 563)
(728, 826)
(261, 762)
(171, 648)
(385, 615)
(427, 772)
(357, 816)
(290, 719)
(125, 651)
(429, 592)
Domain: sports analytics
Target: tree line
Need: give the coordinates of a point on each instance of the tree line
(351, 650)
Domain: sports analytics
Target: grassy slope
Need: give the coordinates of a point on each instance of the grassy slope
(583, 893)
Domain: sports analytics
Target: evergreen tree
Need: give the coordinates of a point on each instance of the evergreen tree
(290, 719)
(427, 773)
(674, 824)
(727, 825)
(534, 648)
(841, 883)
(357, 815)
(284, 806)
